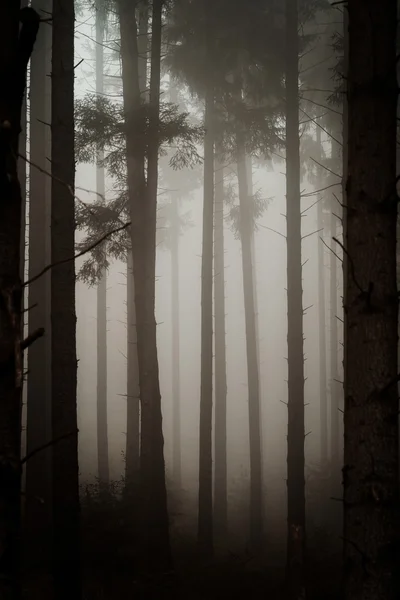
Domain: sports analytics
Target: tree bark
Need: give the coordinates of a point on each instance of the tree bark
(220, 435)
(143, 209)
(133, 394)
(205, 515)
(66, 513)
(38, 427)
(102, 419)
(370, 473)
(256, 507)
(15, 51)
(323, 392)
(295, 438)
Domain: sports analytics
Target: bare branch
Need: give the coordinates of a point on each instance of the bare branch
(47, 445)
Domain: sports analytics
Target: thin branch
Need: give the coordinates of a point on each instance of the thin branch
(78, 255)
(326, 168)
(47, 445)
(329, 248)
(312, 233)
(274, 230)
(31, 339)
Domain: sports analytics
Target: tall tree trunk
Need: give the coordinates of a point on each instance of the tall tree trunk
(38, 427)
(256, 507)
(295, 438)
(370, 473)
(323, 399)
(143, 208)
(177, 458)
(66, 518)
(220, 434)
(176, 377)
(102, 419)
(205, 514)
(133, 396)
(15, 51)
(334, 384)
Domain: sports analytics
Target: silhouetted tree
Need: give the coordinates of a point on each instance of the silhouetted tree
(66, 517)
(370, 472)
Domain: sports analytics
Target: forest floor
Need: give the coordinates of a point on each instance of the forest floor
(109, 559)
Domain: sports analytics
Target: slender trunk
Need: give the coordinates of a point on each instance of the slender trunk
(66, 518)
(102, 420)
(177, 458)
(296, 541)
(323, 400)
(220, 435)
(256, 507)
(205, 514)
(370, 472)
(38, 427)
(132, 392)
(15, 51)
(143, 207)
(334, 384)
(176, 377)
(133, 397)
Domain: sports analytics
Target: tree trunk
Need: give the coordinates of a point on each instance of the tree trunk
(66, 518)
(335, 385)
(256, 507)
(15, 51)
(205, 515)
(133, 396)
(323, 399)
(38, 427)
(177, 458)
(143, 208)
(295, 439)
(220, 435)
(176, 376)
(133, 413)
(370, 473)
(102, 420)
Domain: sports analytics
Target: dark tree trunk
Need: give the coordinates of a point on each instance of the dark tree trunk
(256, 507)
(66, 518)
(15, 51)
(220, 435)
(323, 395)
(143, 208)
(133, 413)
(205, 515)
(38, 427)
(102, 419)
(295, 438)
(370, 472)
(133, 396)
(334, 374)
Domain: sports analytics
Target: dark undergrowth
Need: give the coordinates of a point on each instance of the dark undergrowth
(111, 558)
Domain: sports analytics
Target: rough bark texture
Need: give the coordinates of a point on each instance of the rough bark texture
(66, 518)
(323, 392)
(15, 51)
(256, 508)
(205, 516)
(133, 393)
(370, 473)
(295, 437)
(38, 427)
(102, 419)
(220, 435)
(143, 209)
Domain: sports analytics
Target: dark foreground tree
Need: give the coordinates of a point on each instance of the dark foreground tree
(295, 437)
(65, 484)
(370, 473)
(15, 50)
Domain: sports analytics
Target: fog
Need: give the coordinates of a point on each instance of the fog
(270, 268)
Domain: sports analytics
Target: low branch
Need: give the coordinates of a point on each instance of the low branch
(78, 255)
(31, 339)
(47, 445)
